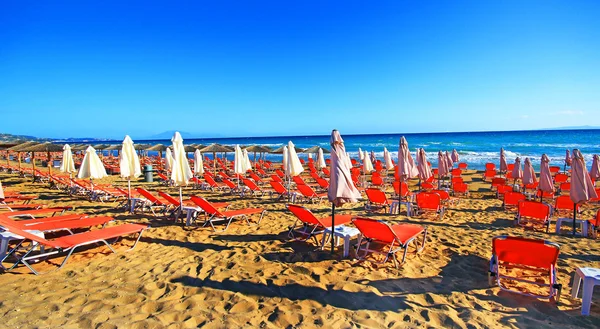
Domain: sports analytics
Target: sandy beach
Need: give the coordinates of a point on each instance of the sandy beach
(253, 276)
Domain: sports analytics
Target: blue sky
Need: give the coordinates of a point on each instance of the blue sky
(224, 68)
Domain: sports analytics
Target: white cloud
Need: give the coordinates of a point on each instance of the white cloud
(569, 112)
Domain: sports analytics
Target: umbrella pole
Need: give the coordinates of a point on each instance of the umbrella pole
(332, 226)
(129, 193)
(33, 162)
(574, 218)
(180, 204)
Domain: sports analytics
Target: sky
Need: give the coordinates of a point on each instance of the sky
(278, 68)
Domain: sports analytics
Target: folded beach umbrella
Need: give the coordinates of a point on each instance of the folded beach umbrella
(321, 160)
(595, 170)
(169, 160)
(360, 154)
(367, 164)
(91, 166)
(568, 161)
(198, 164)
(387, 158)
(180, 169)
(503, 165)
(284, 161)
(449, 161)
(373, 158)
(129, 163)
(455, 157)
(546, 182)
(517, 172)
(341, 188)
(406, 164)
(238, 158)
(293, 166)
(67, 165)
(442, 167)
(423, 165)
(528, 173)
(582, 188)
(247, 163)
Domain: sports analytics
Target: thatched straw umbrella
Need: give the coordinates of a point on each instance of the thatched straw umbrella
(258, 149)
(160, 148)
(47, 148)
(214, 148)
(17, 148)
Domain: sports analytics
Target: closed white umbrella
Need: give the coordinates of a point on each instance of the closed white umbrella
(91, 166)
(285, 157)
(294, 166)
(321, 160)
(367, 166)
(198, 164)
(388, 159)
(247, 163)
(169, 160)
(129, 163)
(238, 158)
(67, 164)
(238, 163)
(310, 155)
(180, 170)
(361, 155)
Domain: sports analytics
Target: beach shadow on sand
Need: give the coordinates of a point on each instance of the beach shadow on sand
(392, 291)
(194, 246)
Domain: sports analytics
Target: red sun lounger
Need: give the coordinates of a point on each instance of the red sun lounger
(387, 239)
(226, 216)
(69, 243)
(518, 263)
(307, 225)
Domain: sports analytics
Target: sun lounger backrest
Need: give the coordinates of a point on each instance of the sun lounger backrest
(205, 205)
(374, 229)
(443, 194)
(306, 190)
(278, 187)
(564, 202)
(513, 198)
(534, 209)
(323, 183)
(405, 191)
(303, 214)
(251, 185)
(376, 195)
(169, 198)
(148, 195)
(298, 180)
(560, 178)
(229, 183)
(490, 166)
(524, 251)
(460, 187)
(428, 200)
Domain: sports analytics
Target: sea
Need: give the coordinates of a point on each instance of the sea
(474, 148)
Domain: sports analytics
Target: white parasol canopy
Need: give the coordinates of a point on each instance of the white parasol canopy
(91, 166)
(198, 164)
(180, 169)
(129, 162)
(67, 164)
(293, 166)
(321, 160)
